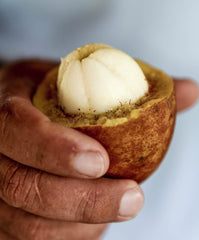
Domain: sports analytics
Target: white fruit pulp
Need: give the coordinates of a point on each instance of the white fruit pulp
(99, 82)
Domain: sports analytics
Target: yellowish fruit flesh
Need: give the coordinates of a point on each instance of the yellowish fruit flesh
(136, 136)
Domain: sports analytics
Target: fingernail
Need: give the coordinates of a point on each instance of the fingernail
(89, 163)
(131, 203)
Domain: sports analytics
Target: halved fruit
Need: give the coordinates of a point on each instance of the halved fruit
(135, 135)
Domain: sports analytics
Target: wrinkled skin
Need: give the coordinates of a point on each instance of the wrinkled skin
(42, 195)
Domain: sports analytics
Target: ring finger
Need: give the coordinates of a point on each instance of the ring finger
(25, 226)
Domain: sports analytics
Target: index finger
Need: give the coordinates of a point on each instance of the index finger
(27, 136)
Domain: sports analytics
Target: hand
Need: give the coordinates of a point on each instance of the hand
(49, 174)
(44, 186)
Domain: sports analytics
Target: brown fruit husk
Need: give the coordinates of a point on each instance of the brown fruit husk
(135, 136)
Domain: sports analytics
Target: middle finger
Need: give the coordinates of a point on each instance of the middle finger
(91, 201)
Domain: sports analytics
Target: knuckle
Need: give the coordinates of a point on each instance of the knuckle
(33, 197)
(12, 184)
(13, 105)
(7, 101)
(8, 108)
(4, 130)
(20, 186)
(87, 206)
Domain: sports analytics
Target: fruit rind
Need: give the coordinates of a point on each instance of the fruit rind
(136, 143)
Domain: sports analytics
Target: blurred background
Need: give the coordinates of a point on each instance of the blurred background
(162, 33)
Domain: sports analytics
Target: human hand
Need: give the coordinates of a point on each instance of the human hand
(49, 174)
(37, 203)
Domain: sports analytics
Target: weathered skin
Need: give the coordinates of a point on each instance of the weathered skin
(136, 143)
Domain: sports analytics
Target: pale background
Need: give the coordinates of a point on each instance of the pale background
(163, 33)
